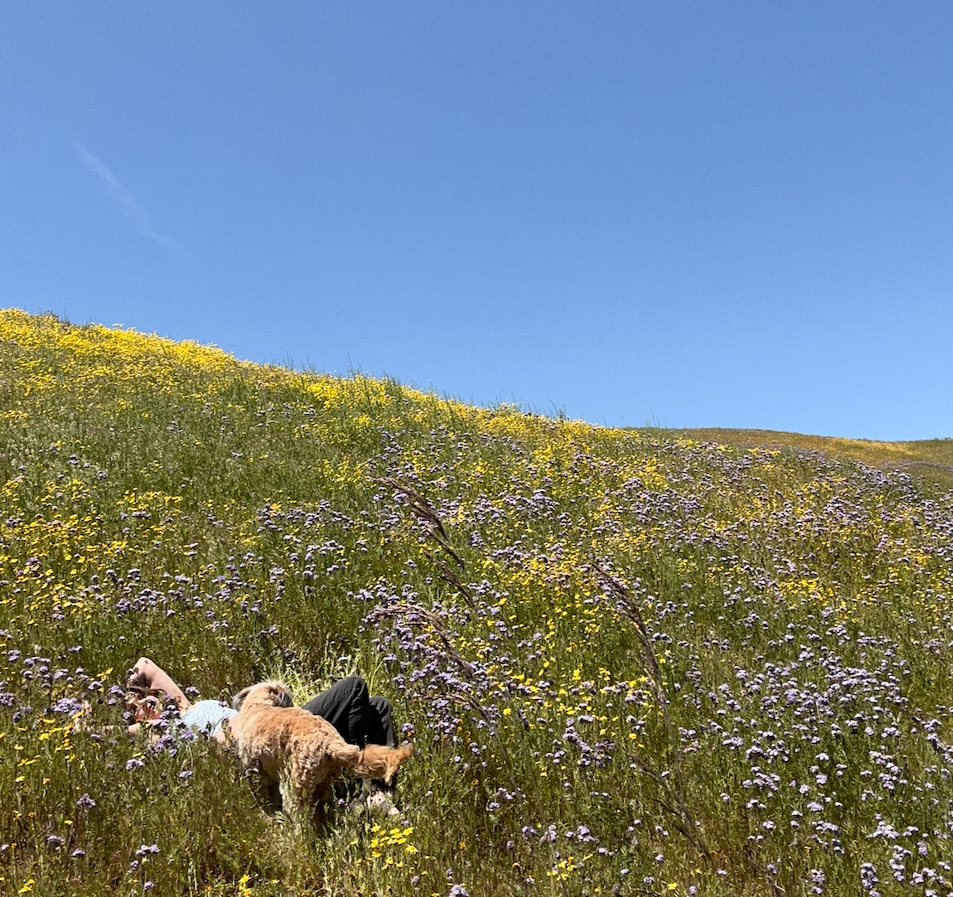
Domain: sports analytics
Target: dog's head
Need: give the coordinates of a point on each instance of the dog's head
(263, 694)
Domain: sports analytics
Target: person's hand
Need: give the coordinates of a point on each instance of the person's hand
(135, 679)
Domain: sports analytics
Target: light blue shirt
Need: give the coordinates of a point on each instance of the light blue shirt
(207, 717)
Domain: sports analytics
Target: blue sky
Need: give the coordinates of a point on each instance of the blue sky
(672, 213)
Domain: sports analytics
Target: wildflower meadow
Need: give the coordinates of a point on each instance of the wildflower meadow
(632, 661)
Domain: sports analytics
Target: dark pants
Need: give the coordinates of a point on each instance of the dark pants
(359, 718)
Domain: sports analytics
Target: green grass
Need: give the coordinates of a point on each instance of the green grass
(632, 661)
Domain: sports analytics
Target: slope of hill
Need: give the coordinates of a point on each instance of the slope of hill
(929, 461)
(633, 662)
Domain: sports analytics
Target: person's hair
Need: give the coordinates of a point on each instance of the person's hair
(140, 700)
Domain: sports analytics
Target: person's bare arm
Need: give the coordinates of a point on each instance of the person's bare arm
(148, 674)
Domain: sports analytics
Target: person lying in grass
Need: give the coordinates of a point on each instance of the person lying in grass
(359, 718)
(148, 690)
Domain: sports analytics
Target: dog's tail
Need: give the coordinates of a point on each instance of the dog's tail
(379, 762)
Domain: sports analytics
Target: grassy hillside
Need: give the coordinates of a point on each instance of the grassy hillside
(633, 662)
(929, 461)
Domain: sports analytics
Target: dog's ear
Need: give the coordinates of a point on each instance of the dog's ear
(280, 695)
(239, 699)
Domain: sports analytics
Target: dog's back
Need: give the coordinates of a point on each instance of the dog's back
(275, 736)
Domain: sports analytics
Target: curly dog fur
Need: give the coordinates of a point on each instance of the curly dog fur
(303, 753)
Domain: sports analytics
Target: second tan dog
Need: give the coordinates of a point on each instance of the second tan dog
(303, 753)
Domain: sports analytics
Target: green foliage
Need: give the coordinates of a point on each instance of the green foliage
(633, 662)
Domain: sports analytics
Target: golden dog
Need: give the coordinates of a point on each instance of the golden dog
(302, 752)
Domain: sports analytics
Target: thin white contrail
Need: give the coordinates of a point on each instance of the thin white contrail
(124, 200)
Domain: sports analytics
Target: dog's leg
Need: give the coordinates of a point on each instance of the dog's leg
(293, 800)
(266, 789)
(319, 807)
